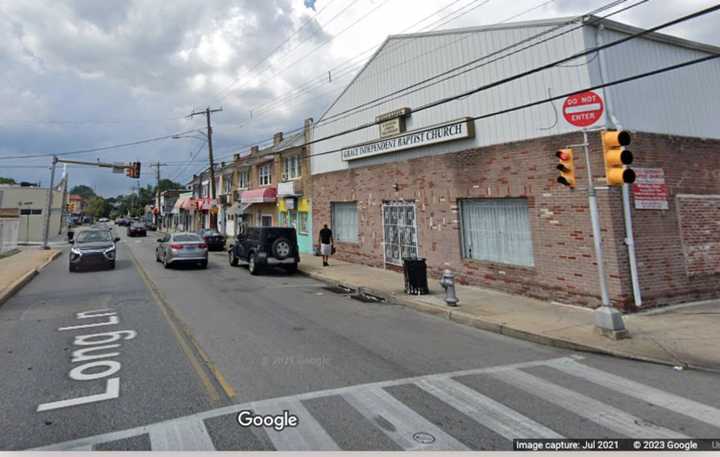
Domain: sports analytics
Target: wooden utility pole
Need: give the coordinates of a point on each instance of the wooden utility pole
(213, 194)
(157, 193)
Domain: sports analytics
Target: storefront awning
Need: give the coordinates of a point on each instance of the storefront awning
(263, 195)
(184, 203)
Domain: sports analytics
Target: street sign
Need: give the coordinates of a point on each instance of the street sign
(583, 109)
(650, 190)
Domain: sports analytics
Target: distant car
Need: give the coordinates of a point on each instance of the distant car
(103, 220)
(266, 246)
(122, 222)
(93, 248)
(150, 226)
(182, 247)
(136, 229)
(86, 220)
(214, 239)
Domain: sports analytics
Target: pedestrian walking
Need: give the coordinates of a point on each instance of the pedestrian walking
(326, 244)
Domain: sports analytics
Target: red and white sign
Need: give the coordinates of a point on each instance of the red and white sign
(584, 109)
(649, 189)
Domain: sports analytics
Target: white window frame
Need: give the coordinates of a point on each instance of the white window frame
(291, 167)
(339, 233)
(227, 184)
(303, 222)
(265, 174)
(508, 232)
(244, 178)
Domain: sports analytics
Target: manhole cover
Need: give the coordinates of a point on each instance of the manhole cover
(424, 438)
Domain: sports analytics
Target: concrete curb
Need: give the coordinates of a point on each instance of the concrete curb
(16, 286)
(470, 320)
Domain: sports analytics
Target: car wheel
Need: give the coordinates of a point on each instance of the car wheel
(204, 264)
(165, 263)
(281, 248)
(72, 268)
(157, 257)
(253, 267)
(232, 259)
(112, 265)
(291, 269)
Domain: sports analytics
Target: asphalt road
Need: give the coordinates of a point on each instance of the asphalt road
(360, 376)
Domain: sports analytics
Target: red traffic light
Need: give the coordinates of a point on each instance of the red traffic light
(563, 154)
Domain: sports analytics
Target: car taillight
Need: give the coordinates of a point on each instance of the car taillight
(202, 246)
(176, 246)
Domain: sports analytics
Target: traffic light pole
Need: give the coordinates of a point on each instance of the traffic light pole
(608, 320)
(46, 229)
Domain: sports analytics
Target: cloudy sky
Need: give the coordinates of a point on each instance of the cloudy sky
(83, 74)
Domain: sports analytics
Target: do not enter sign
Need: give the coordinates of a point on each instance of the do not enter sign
(584, 109)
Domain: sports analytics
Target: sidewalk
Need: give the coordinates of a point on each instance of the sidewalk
(18, 269)
(680, 336)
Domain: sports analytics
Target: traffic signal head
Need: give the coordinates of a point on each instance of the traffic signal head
(137, 170)
(617, 157)
(133, 170)
(566, 165)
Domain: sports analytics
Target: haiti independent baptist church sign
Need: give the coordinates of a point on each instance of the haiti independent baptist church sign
(440, 133)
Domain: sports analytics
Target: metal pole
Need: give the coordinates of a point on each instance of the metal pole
(607, 319)
(46, 231)
(63, 214)
(630, 242)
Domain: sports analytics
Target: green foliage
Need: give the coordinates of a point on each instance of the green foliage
(7, 180)
(85, 192)
(98, 207)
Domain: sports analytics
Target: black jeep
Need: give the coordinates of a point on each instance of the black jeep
(266, 246)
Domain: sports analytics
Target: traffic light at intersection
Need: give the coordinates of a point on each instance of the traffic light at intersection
(133, 170)
(566, 165)
(617, 157)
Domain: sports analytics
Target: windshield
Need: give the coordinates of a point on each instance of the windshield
(92, 236)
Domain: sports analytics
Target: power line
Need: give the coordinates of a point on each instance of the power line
(385, 98)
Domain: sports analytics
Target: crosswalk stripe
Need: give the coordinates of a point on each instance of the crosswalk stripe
(309, 435)
(589, 408)
(486, 411)
(666, 400)
(181, 435)
(399, 422)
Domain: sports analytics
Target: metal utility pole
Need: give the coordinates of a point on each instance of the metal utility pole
(46, 230)
(157, 192)
(213, 194)
(607, 319)
(63, 214)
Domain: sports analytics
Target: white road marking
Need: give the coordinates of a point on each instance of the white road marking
(379, 407)
(309, 435)
(112, 320)
(187, 434)
(112, 390)
(486, 411)
(674, 403)
(589, 408)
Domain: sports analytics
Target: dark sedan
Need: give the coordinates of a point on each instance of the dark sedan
(93, 249)
(214, 239)
(136, 229)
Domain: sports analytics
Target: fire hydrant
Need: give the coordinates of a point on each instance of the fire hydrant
(448, 283)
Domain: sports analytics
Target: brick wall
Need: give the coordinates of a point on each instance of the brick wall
(564, 262)
(699, 225)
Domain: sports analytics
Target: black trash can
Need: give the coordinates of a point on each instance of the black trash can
(415, 271)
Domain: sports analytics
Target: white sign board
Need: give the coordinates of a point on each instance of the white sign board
(450, 131)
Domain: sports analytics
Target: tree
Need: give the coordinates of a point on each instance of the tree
(12, 181)
(166, 184)
(98, 207)
(85, 192)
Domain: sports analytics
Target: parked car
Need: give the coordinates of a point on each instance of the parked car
(136, 229)
(93, 248)
(214, 239)
(150, 226)
(121, 221)
(181, 247)
(103, 220)
(266, 246)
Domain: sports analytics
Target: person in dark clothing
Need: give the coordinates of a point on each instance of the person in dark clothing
(326, 244)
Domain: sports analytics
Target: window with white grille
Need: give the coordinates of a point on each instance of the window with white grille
(344, 221)
(265, 174)
(497, 230)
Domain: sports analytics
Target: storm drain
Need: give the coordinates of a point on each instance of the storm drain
(339, 289)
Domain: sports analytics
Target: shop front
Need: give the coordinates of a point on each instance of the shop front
(259, 206)
(294, 210)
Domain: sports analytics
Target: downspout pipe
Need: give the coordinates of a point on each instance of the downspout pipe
(627, 209)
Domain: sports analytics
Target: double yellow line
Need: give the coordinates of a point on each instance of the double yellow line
(199, 360)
